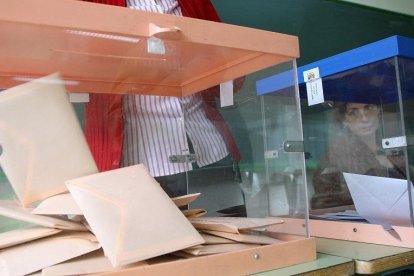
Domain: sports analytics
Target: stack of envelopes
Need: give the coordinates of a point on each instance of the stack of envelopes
(125, 211)
(82, 221)
(226, 234)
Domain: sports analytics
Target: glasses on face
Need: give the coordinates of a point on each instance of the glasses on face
(367, 110)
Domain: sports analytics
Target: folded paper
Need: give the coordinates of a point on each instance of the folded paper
(201, 250)
(13, 210)
(131, 215)
(185, 199)
(62, 204)
(23, 235)
(36, 255)
(194, 213)
(232, 224)
(245, 237)
(42, 141)
(211, 239)
(92, 263)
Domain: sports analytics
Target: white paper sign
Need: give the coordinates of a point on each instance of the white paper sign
(226, 93)
(314, 87)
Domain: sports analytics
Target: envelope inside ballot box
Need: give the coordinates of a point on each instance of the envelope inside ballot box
(12, 209)
(26, 234)
(61, 204)
(42, 142)
(31, 257)
(131, 215)
(91, 263)
(232, 224)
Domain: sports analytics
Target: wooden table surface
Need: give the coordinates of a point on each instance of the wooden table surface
(369, 258)
(323, 265)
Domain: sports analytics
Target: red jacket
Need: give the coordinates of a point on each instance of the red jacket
(104, 125)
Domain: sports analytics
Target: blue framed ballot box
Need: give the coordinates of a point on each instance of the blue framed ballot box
(357, 115)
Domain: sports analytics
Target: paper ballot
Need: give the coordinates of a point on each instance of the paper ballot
(131, 215)
(42, 140)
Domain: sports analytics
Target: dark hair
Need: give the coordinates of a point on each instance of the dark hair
(340, 110)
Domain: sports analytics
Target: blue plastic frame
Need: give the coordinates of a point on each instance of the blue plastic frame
(373, 52)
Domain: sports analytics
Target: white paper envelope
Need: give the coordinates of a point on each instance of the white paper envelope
(380, 200)
(33, 256)
(94, 262)
(62, 204)
(23, 235)
(11, 209)
(232, 224)
(131, 215)
(42, 140)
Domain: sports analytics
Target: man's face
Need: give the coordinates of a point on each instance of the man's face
(362, 119)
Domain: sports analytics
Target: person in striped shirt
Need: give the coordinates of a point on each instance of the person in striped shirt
(158, 130)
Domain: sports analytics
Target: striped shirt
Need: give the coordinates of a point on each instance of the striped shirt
(157, 127)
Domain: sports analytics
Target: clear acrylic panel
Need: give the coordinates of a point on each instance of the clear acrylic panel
(269, 179)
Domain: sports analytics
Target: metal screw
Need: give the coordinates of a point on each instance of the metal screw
(256, 256)
(387, 143)
(355, 230)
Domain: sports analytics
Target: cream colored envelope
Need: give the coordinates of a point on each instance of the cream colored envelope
(23, 235)
(62, 204)
(194, 213)
(131, 215)
(185, 199)
(94, 262)
(232, 224)
(202, 250)
(42, 140)
(211, 239)
(33, 256)
(245, 238)
(11, 209)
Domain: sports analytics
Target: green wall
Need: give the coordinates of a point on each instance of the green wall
(324, 27)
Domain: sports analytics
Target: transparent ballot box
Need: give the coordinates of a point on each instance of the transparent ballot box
(357, 110)
(134, 142)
